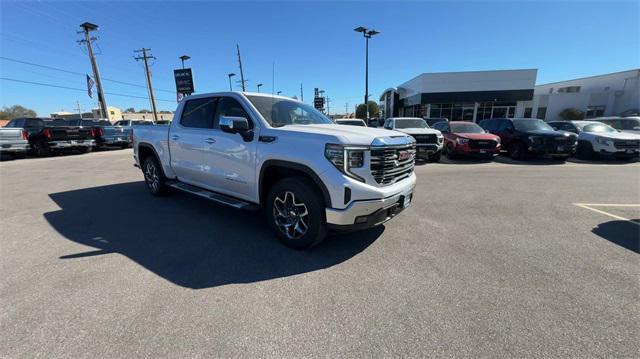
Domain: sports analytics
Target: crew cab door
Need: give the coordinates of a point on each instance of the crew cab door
(187, 139)
(229, 162)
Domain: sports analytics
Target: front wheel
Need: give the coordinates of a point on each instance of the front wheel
(584, 151)
(40, 149)
(435, 157)
(154, 177)
(295, 211)
(451, 152)
(517, 151)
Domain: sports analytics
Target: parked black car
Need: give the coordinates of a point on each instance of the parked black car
(104, 133)
(433, 120)
(527, 136)
(45, 138)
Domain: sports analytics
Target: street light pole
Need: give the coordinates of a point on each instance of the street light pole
(259, 85)
(367, 35)
(230, 76)
(184, 58)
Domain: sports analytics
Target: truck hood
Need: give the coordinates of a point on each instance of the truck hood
(476, 136)
(419, 131)
(546, 133)
(352, 135)
(616, 135)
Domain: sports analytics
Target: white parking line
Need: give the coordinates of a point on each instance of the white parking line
(591, 205)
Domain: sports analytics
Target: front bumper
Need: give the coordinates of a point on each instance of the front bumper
(423, 149)
(71, 144)
(14, 147)
(465, 150)
(552, 150)
(114, 141)
(362, 214)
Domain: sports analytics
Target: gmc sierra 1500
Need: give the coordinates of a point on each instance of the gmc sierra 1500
(251, 150)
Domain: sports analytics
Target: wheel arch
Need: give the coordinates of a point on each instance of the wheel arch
(274, 170)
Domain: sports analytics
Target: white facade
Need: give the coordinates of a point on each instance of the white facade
(604, 95)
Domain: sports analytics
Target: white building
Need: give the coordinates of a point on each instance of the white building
(612, 94)
(476, 95)
(462, 96)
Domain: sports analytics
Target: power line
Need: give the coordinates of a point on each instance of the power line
(78, 89)
(76, 73)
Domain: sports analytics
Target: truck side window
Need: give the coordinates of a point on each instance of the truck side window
(229, 107)
(199, 113)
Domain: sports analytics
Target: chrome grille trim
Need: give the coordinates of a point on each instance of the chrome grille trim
(386, 168)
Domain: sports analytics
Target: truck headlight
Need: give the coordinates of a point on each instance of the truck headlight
(344, 158)
(604, 141)
(462, 141)
(440, 138)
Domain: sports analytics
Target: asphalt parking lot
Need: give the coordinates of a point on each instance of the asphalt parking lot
(499, 259)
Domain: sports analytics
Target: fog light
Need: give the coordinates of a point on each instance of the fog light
(361, 219)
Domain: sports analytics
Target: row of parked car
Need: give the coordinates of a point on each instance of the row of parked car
(617, 137)
(42, 136)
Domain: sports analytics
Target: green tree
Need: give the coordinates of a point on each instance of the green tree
(144, 110)
(130, 110)
(571, 114)
(8, 113)
(361, 110)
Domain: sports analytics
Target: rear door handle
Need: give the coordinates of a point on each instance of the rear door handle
(210, 140)
(175, 137)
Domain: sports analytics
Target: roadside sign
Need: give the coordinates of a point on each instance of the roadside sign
(184, 81)
(318, 103)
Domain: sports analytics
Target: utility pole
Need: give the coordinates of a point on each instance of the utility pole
(301, 94)
(144, 57)
(86, 28)
(240, 64)
(328, 106)
(346, 109)
(78, 108)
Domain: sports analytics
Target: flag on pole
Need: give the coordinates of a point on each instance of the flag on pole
(89, 86)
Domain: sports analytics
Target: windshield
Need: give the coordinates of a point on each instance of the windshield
(465, 128)
(351, 122)
(281, 112)
(531, 125)
(629, 124)
(598, 127)
(411, 123)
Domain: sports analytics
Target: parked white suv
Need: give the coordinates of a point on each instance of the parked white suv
(429, 141)
(251, 150)
(597, 138)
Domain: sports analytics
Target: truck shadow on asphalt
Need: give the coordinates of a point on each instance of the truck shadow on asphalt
(626, 234)
(189, 241)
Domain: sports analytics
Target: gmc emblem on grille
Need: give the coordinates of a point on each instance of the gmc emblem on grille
(403, 155)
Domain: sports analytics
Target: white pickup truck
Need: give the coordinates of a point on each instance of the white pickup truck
(253, 151)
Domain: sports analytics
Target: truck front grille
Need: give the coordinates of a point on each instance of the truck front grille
(428, 139)
(627, 145)
(482, 144)
(392, 163)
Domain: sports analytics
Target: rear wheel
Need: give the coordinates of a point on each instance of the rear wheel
(41, 149)
(85, 149)
(295, 211)
(154, 177)
(585, 150)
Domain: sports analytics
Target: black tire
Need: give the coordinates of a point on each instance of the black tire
(435, 157)
(585, 150)
(85, 149)
(292, 197)
(154, 177)
(517, 151)
(451, 154)
(40, 149)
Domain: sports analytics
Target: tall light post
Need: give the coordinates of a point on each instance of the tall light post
(279, 92)
(184, 58)
(367, 35)
(259, 85)
(230, 76)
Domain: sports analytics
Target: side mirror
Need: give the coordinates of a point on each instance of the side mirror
(234, 124)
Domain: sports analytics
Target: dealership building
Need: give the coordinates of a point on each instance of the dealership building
(477, 95)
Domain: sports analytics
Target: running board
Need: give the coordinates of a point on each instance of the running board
(213, 196)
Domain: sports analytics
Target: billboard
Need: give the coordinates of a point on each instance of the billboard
(184, 81)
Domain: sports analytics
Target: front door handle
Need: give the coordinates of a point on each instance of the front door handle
(175, 137)
(210, 140)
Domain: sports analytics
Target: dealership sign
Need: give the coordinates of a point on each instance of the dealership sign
(184, 81)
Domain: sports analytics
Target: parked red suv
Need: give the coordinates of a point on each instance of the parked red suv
(468, 139)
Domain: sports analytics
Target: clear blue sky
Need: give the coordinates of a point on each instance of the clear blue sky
(310, 42)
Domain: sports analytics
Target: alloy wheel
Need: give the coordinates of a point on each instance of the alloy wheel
(151, 175)
(290, 216)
